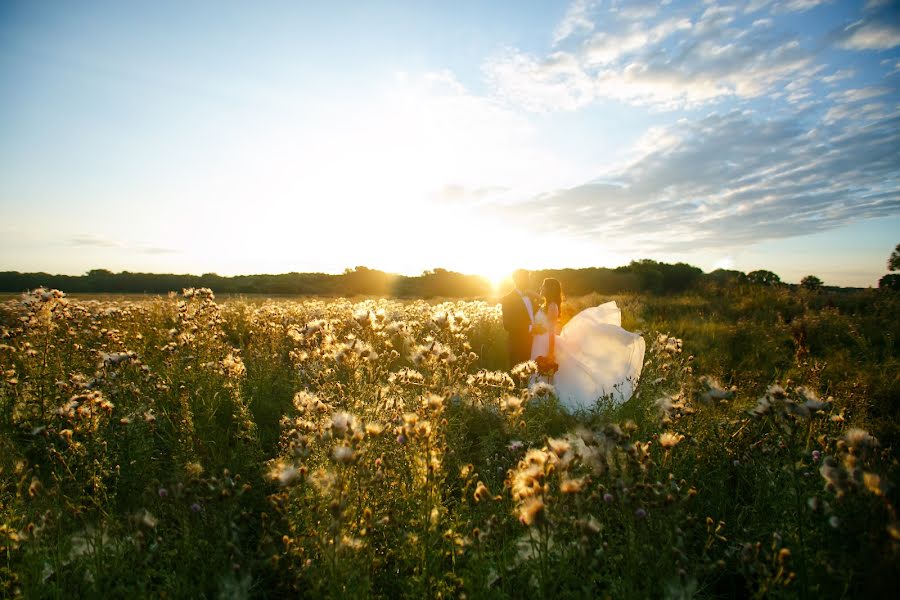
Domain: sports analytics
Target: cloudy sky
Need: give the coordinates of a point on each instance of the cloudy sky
(286, 136)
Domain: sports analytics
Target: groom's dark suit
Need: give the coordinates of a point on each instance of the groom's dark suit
(517, 322)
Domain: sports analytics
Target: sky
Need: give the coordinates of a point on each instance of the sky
(272, 137)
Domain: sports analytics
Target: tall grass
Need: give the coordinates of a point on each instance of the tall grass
(182, 447)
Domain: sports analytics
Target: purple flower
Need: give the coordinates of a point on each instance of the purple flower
(163, 492)
(401, 439)
(608, 498)
(816, 455)
(196, 507)
(640, 513)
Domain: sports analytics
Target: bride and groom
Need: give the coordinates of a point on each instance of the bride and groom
(593, 356)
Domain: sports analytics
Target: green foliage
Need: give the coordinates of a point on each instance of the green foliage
(763, 277)
(891, 281)
(811, 282)
(187, 448)
(894, 260)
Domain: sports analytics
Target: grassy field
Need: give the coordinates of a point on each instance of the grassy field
(184, 447)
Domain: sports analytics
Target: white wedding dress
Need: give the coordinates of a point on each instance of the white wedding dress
(597, 358)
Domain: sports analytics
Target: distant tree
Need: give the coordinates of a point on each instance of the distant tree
(894, 260)
(763, 277)
(811, 282)
(891, 281)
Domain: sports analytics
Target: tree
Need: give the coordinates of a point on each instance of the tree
(811, 282)
(891, 281)
(894, 260)
(763, 277)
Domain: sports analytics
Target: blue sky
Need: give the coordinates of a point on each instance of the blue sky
(284, 136)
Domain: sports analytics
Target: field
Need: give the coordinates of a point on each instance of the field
(185, 447)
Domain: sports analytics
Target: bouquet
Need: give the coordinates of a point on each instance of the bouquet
(546, 366)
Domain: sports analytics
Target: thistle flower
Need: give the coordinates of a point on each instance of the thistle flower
(669, 440)
(343, 424)
(343, 454)
(571, 486)
(532, 511)
(481, 492)
(559, 446)
(511, 404)
(541, 389)
(711, 390)
(433, 403)
(859, 439)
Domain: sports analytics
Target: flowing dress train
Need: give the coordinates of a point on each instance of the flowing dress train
(597, 358)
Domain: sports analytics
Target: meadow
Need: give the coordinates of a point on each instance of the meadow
(189, 447)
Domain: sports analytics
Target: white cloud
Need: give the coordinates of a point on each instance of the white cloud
(554, 83)
(798, 6)
(839, 75)
(605, 48)
(870, 35)
(576, 20)
(858, 94)
(735, 179)
(676, 62)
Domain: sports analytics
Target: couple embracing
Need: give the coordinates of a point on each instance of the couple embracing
(594, 358)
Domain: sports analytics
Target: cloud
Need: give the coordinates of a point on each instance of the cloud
(576, 20)
(96, 241)
(869, 35)
(858, 94)
(733, 179)
(92, 241)
(605, 48)
(696, 55)
(556, 82)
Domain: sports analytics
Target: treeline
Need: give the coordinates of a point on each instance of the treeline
(640, 276)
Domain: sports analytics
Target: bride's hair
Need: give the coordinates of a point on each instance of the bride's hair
(552, 292)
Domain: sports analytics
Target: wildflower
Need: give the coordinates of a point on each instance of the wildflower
(811, 400)
(195, 507)
(669, 440)
(342, 423)
(558, 447)
(194, 469)
(148, 520)
(571, 486)
(712, 390)
(343, 454)
(433, 403)
(640, 513)
(374, 428)
(481, 492)
(532, 511)
(873, 483)
(541, 389)
(515, 445)
(816, 455)
(835, 476)
(162, 492)
(608, 498)
(511, 404)
(857, 438)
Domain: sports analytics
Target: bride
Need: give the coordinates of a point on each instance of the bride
(596, 357)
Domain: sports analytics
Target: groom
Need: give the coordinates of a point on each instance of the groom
(518, 318)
